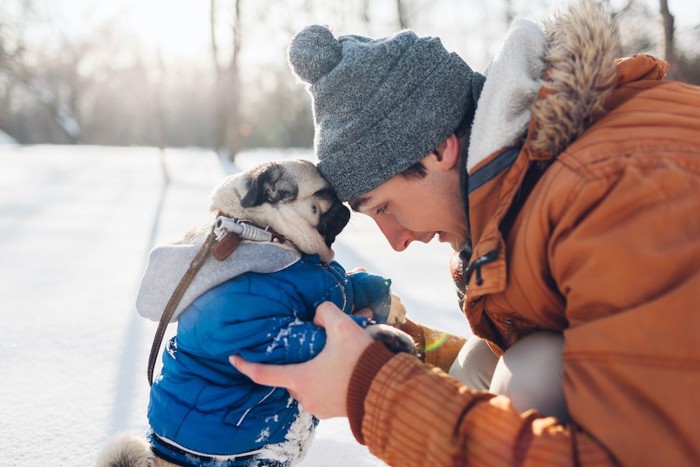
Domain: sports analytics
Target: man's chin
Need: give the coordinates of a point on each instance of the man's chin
(456, 245)
(451, 240)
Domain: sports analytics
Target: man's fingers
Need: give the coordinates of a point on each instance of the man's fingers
(267, 375)
(365, 312)
(320, 384)
(327, 313)
(332, 319)
(357, 269)
(337, 324)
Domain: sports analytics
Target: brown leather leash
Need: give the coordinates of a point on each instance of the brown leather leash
(195, 266)
(221, 248)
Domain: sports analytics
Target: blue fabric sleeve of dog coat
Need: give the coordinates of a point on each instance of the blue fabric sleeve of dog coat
(361, 320)
(372, 291)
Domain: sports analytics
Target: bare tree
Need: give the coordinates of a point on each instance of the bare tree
(669, 43)
(364, 12)
(56, 84)
(402, 16)
(228, 85)
(12, 57)
(46, 85)
(510, 12)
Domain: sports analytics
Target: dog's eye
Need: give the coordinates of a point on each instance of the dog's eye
(314, 209)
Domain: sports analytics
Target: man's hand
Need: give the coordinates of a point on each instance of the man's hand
(321, 384)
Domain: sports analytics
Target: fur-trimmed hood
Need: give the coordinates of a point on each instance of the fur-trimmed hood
(550, 81)
(583, 49)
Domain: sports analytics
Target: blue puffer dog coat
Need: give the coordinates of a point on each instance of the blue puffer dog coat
(202, 410)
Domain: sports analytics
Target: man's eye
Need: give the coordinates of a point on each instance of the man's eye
(380, 210)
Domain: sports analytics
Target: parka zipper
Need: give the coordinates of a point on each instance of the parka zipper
(341, 280)
(509, 322)
(489, 257)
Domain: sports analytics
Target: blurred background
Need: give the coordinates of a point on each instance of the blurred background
(213, 74)
(116, 121)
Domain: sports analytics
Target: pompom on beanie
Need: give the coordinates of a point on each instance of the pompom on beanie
(379, 105)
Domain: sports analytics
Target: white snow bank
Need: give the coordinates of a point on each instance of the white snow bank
(76, 224)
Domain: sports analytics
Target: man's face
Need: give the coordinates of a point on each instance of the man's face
(410, 209)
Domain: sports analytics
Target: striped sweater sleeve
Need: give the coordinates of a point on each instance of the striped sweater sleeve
(416, 415)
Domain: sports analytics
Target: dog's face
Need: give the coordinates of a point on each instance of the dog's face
(292, 198)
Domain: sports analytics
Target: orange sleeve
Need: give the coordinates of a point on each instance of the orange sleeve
(436, 347)
(416, 415)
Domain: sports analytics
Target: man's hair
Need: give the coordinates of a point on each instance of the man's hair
(417, 170)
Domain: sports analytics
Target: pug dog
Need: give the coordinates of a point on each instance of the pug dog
(257, 299)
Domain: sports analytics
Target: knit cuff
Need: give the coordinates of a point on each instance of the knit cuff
(371, 361)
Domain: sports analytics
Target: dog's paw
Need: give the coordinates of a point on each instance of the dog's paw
(397, 311)
(395, 339)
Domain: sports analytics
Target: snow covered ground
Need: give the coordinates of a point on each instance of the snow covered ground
(76, 224)
(6, 139)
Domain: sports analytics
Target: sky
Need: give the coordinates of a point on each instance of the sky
(76, 225)
(179, 29)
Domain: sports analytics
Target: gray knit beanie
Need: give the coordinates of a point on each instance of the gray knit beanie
(379, 105)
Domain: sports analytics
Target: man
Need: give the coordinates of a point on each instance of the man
(573, 201)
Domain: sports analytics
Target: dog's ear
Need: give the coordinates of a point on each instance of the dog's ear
(269, 183)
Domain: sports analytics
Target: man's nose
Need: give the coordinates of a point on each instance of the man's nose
(399, 237)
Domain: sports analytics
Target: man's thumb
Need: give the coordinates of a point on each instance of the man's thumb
(268, 375)
(326, 314)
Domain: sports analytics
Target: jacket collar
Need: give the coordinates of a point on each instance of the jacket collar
(512, 82)
(531, 83)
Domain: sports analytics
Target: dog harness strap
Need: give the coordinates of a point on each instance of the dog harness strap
(226, 246)
(185, 282)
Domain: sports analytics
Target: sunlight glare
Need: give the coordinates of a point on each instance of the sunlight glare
(178, 28)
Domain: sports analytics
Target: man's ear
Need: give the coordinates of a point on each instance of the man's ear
(447, 154)
(268, 184)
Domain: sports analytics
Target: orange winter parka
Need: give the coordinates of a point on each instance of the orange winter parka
(605, 248)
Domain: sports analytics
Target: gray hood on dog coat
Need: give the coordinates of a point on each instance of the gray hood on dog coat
(168, 263)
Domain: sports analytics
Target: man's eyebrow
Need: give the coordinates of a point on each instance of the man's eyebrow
(357, 203)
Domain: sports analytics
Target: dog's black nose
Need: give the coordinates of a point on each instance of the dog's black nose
(333, 222)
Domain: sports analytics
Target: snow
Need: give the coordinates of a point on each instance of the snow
(295, 443)
(6, 139)
(76, 225)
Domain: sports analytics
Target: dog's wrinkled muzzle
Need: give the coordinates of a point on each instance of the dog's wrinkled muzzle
(333, 222)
